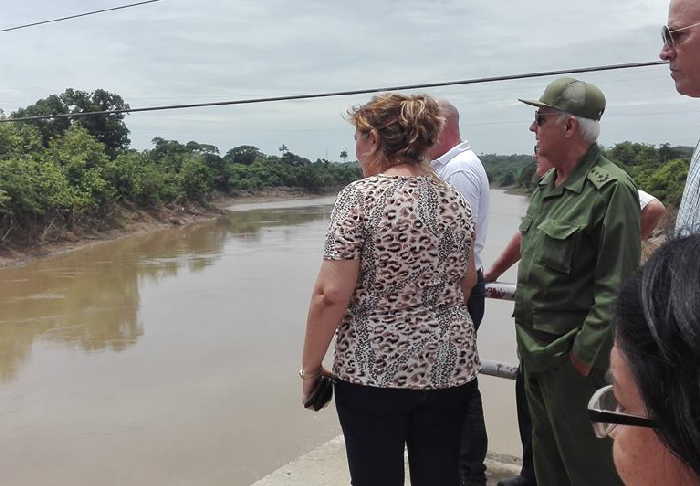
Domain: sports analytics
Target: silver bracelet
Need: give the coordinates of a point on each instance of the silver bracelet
(306, 375)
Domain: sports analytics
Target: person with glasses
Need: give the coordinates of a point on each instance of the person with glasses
(580, 239)
(681, 48)
(652, 408)
(652, 210)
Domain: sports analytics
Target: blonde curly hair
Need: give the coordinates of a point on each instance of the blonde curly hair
(406, 126)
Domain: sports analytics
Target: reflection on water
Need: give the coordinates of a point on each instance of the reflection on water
(69, 301)
(90, 299)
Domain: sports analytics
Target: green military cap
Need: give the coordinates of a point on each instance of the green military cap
(572, 96)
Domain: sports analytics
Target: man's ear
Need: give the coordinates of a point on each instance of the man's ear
(570, 127)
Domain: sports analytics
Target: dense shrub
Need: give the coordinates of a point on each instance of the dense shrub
(72, 178)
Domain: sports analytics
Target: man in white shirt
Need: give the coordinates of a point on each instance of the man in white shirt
(681, 39)
(456, 163)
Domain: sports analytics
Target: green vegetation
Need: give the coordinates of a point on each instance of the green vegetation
(61, 175)
(660, 171)
(505, 170)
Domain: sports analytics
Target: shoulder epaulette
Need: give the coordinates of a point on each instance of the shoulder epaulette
(600, 177)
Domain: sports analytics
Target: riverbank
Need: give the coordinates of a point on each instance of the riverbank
(129, 221)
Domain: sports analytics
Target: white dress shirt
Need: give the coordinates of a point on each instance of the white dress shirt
(461, 168)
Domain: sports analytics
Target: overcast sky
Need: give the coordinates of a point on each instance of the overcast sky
(191, 51)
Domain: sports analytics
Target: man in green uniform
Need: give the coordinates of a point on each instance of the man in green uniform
(580, 240)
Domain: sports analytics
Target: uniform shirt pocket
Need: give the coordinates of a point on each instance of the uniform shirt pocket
(559, 244)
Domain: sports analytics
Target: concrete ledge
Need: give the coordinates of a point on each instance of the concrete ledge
(326, 466)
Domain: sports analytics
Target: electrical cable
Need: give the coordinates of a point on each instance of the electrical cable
(338, 93)
(70, 17)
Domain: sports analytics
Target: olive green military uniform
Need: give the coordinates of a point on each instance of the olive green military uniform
(580, 241)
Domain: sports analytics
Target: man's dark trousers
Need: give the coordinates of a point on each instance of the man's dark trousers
(525, 426)
(472, 470)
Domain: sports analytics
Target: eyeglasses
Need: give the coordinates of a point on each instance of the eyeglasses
(540, 117)
(667, 35)
(604, 412)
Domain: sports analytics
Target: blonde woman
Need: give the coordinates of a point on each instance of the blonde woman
(396, 274)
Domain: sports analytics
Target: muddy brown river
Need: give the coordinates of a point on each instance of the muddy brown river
(171, 358)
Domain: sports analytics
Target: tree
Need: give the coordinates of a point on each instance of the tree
(344, 155)
(244, 154)
(83, 160)
(667, 181)
(107, 129)
(196, 179)
(18, 139)
(665, 153)
(284, 149)
(51, 128)
(202, 148)
(294, 159)
(168, 153)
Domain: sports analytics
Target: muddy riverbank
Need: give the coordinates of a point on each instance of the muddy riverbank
(128, 221)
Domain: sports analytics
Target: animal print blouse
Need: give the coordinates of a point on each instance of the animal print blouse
(407, 325)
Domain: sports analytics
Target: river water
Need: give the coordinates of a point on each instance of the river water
(171, 358)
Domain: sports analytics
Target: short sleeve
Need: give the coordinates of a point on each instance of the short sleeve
(345, 235)
(644, 199)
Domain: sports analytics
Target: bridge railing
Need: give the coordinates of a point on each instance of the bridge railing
(501, 291)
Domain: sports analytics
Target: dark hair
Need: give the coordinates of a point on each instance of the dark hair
(407, 126)
(658, 331)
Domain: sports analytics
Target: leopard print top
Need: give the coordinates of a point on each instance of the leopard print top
(407, 325)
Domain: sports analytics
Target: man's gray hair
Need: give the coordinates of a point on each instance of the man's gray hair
(588, 128)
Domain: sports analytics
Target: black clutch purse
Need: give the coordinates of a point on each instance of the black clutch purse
(321, 394)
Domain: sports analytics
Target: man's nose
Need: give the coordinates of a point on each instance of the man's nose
(667, 52)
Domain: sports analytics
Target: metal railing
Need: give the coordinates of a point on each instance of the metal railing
(501, 291)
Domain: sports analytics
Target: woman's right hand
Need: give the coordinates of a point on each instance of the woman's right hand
(308, 384)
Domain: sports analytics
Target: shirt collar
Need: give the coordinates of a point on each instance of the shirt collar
(450, 154)
(576, 179)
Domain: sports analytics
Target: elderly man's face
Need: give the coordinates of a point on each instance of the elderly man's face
(684, 55)
(549, 134)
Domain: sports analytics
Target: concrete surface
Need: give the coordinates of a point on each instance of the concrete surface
(326, 466)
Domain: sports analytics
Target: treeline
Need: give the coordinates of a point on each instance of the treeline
(506, 170)
(660, 170)
(62, 173)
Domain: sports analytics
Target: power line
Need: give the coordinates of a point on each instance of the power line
(338, 93)
(70, 17)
